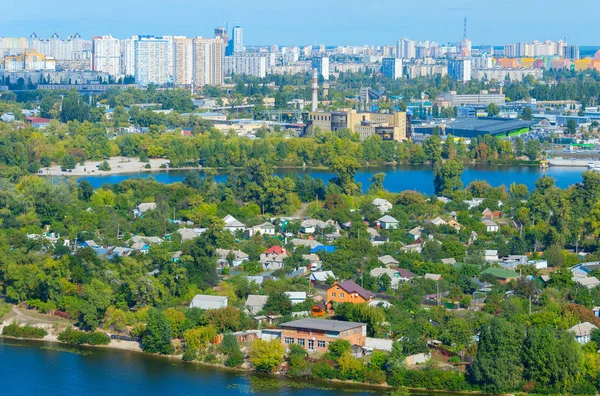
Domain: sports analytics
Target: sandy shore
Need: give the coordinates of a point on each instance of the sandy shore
(118, 165)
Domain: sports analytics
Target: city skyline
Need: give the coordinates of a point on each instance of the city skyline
(320, 22)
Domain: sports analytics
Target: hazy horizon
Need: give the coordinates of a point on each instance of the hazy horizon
(311, 22)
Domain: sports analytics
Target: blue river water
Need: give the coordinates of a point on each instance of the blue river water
(38, 368)
(398, 178)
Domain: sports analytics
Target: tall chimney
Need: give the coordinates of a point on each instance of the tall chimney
(315, 91)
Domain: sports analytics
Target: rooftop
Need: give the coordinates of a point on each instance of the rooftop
(321, 324)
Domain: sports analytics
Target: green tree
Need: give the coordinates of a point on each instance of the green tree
(266, 356)
(158, 334)
(338, 348)
(527, 113)
(68, 161)
(493, 110)
(278, 303)
(446, 177)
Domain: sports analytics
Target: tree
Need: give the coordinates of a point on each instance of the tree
(266, 356)
(68, 162)
(104, 166)
(85, 191)
(74, 108)
(572, 126)
(278, 303)
(493, 110)
(377, 182)
(158, 334)
(193, 179)
(527, 113)
(338, 348)
(447, 177)
(497, 367)
(345, 167)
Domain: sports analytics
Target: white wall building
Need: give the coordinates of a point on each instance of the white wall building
(251, 64)
(153, 60)
(106, 55)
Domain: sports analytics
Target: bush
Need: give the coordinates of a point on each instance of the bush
(454, 359)
(323, 370)
(104, 166)
(42, 306)
(27, 331)
(210, 358)
(189, 355)
(374, 376)
(148, 166)
(76, 337)
(234, 359)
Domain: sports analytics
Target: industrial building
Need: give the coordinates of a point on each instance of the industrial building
(389, 126)
(473, 127)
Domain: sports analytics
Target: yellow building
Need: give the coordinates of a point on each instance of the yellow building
(581, 64)
(527, 62)
(389, 126)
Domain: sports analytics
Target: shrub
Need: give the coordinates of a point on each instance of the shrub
(266, 356)
(148, 166)
(27, 331)
(42, 306)
(374, 376)
(234, 359)
(323, 370)
(210, 358)
(104, 166)
(189, 355)
(454, 359)
(76, 337)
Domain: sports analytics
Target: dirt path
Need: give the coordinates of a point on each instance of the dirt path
(300, 212)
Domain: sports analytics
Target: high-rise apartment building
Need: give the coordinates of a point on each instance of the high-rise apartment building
(106, 55)
(571, 52)
(223, 34)
(392, 68)
(321, 63)
(72, 48)
(460, 69)
(250, 64)
(128, 56)
(208, 64)
(406, 49)
(236, 44)
(153, 60)
(13, 45)
(183, 55)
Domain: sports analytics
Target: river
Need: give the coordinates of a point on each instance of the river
(398, 178)
(39, 368)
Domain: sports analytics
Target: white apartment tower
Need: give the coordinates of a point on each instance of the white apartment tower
(106, 55)
(183, 72)
(207, 60)
(153, 60)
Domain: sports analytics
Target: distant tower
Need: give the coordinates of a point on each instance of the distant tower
(315, 91)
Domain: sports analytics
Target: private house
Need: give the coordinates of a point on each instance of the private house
(388, 261)
(311, 226)
(394, 275)
(589, 282)
(438, 221)
(296, 297)
(405, 275)
(583, 332)
(455, 224)
(491, 256)
(188, 234)
(272, 258)
(487, 214)
(433, 277)
(232, 224)
(204, 301)
(490, 226)
(255, 303)
(310, 243)
(502, 275)
(416, 232)
(321, 276)
(262, 229)
(176, 256)
(142, 208)
(449, 261)
(387, 222)
(473, 203)
(146, 239)
(348, 292)
(383, 205)
(413, 247)
(38, 122)
(316, 334)
(237, 257)
(318, 310)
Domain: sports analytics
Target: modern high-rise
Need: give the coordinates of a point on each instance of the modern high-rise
(406, 49)
(183, 56)
(223, 34)
(106, 55)
(11, 46)
(321, 63)
(208, 64)
(392, 68)
(460, 69)
(128, 56)
(236, 44)
(153, 60)
(571, 52)
(72, 48)
(248, 63)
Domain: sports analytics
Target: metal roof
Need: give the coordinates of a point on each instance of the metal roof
(321, 324)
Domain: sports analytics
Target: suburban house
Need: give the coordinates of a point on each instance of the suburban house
(490, 226)
(310, 243)
(392, 273)
(204, 301)
(405, 275)
(449, 261)
(237, 257)
(311, 226)
(383, 205)
(438, 221)
(188, 234)
(348, 291)
(316, 334)
(488, 214)
(589, 282)
(502, 275)
(142, 208)
(583, 332)
(321, 276)
(388, 260)
(255, 303)
(262, 229)
(416, 232)
(455, 224)
(38, 122)
(232, 224)
(473, 203)
(433, 277)
(296, 297)
(387, 222)
(491, 256)
(272, 258)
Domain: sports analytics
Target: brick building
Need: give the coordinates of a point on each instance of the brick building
(348, 292)
(316, 334)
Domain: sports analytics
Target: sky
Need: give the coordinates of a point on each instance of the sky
(304, 22)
